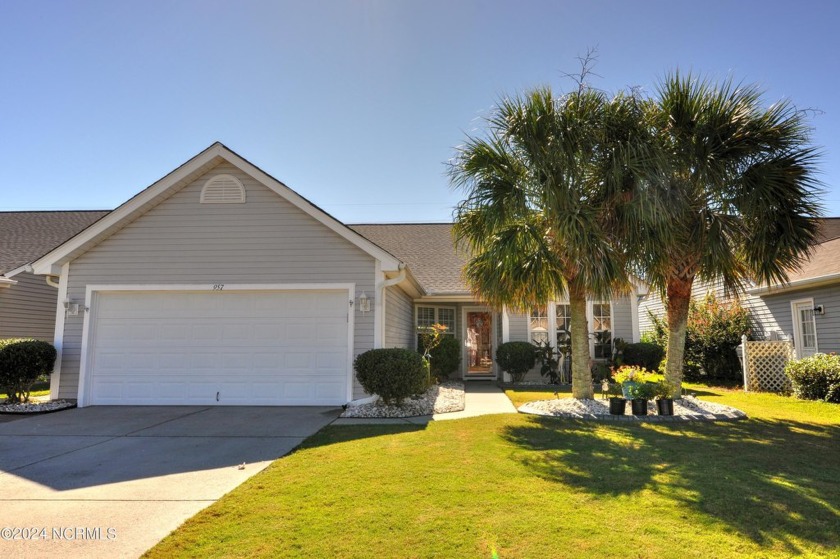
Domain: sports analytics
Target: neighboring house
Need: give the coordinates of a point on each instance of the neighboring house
(805, 310)
(28, 302)
(220, 285)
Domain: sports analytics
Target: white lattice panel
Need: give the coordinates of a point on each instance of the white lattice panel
(766, 362)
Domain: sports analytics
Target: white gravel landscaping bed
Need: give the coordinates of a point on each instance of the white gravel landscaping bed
(37, 407)
(440, 398)
(688, 408)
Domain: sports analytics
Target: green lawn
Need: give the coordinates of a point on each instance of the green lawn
(538, 487)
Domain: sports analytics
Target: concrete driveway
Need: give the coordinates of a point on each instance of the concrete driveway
(128, 475)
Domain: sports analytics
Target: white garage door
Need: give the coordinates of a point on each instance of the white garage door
(225, 348)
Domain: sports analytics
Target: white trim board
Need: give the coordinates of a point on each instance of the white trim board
(58, 337)
(51, 262)
(93, 290)
(797, 326)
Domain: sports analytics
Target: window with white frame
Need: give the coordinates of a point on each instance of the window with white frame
(602, 330)
(427, 316)
(538, 326)
(563, 324)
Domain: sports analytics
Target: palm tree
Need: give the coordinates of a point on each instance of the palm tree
(740, 187)
(550, 192)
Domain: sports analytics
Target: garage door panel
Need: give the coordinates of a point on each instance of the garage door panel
(249, 348)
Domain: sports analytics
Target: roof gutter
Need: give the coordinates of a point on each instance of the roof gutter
(6, 282)
(794, 285)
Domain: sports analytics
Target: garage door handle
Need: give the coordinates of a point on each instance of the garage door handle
(217, 396)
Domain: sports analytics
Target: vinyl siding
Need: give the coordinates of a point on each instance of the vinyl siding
(399, 319)
(828, 324)
(264, 240)
(27, 309)
(622, 319)
(764, 321)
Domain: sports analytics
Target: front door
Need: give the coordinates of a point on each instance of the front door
(478, 343)
(804, 328)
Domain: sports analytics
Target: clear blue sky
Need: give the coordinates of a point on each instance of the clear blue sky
(355, 104)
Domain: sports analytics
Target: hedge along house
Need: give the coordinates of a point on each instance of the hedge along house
(806, 310)
(220, 285)
(28, 302)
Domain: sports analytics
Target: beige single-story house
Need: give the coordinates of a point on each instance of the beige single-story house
(28, 302)
(218, 284)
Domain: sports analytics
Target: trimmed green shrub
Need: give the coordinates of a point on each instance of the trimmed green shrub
(816, 377)
(22, 361)
(645, 355)
(516, 358)
(445, 358)
(713, 332)
(393, 374)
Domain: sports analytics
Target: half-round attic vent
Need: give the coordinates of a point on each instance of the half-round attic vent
(223, 189)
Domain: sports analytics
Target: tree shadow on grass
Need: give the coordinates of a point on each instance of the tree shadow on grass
(773, 481)
(333, 434)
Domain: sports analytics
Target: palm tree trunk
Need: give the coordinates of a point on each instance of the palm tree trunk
(678, 299)
(581, 372)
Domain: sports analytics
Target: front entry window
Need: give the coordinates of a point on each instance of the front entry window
(538, 326)
(601, 330)
(479, 356)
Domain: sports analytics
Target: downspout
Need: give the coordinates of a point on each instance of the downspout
(48, 278)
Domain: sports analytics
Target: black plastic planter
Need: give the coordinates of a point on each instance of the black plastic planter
(640, 407)
(665, 406)
(617, 406)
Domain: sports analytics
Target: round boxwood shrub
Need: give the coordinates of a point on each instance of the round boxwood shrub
(445, 358)
(393, 374)
(516, 358)
(645, 355)
(22, 361)
(816, 377)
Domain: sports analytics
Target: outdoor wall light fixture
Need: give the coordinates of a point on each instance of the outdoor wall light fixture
(71, 308)
(364, 303)
(819, 309)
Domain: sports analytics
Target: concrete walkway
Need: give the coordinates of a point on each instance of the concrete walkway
(480, 398)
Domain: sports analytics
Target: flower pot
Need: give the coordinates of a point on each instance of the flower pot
(627, 388)
(640, 407)
(665, 406)
(617, 406)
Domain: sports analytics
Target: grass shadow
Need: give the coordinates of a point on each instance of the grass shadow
(773, 481)
(335, 434)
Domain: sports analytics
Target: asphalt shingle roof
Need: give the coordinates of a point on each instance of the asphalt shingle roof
(427, 249)
(26, 236)
(829, 228)
(824, 261)
(429, 252)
